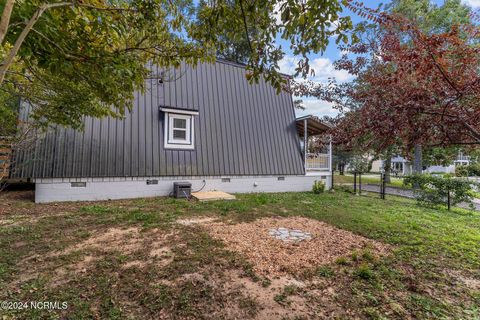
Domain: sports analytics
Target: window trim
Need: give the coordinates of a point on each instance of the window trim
(179, 111)
(169, 141)
(187, 129)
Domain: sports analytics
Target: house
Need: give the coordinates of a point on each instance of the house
(402, 166)
(205, 125)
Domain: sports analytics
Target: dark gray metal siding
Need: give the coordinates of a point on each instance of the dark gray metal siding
(241, 129)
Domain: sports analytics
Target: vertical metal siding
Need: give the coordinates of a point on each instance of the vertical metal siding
(241, 129)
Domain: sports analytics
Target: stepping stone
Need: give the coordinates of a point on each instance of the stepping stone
(289, 235)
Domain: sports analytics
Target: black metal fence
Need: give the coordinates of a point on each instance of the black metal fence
(358, 184)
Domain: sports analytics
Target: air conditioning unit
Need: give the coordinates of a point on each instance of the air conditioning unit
(182, 189)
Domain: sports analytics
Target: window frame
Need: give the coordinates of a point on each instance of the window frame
(172, 128)
(169, 141)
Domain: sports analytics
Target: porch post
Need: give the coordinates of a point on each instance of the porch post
(330, 161)
(305, 140)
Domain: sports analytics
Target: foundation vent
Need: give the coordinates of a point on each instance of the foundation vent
(78, 184)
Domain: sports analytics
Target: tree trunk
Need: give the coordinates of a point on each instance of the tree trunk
(341, 168)
(388, 167)
(417, 161)
(5, 21)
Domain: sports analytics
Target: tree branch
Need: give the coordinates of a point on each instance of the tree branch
(67, 55)
(245, 26)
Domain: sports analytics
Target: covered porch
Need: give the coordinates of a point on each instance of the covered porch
(317, 158)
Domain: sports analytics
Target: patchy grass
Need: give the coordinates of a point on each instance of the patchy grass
(476, 194)
(130, 259)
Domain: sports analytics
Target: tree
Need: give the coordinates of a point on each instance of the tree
(412, 87)
(86, 58)
(407, 24)
(431, 19)
(425, 92)
(233, 43)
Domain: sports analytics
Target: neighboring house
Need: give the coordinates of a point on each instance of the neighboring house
(402, 166)
(205, 125)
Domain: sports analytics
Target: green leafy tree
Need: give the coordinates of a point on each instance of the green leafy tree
(437, 156)
(232, 44)
(429, 16)
(82, 58)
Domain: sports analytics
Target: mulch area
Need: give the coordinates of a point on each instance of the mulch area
(270, 256)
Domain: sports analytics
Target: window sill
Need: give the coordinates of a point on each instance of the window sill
(179, 147)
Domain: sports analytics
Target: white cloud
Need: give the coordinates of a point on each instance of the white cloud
(316, 107)
(323, 68)
(287, 64)
(472, 3)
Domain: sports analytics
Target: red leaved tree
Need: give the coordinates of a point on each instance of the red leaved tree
(412, 88)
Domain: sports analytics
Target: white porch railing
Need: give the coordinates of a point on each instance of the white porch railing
(461, 158)
(317, 161)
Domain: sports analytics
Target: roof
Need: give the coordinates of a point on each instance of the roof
(315, 126)
(241, 129)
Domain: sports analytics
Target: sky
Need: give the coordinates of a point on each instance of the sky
(323, 65)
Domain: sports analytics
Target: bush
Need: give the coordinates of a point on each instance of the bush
(318, 187)
(474, 169)
(468, 171)
(461, 171)
(434, 190)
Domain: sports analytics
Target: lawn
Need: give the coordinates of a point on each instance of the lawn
(368, 178)
(132, 259)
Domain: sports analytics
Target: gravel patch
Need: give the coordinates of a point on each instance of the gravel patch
(272, 256)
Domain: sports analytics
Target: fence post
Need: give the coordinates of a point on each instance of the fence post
(355, 182)
(360, 183)
(382, 186)
(448, 199)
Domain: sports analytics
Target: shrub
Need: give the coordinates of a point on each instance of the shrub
(434, 190)
(461, 171)
(318, 187)
(474, 169)
(468, 171)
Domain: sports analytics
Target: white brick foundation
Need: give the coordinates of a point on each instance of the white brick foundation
(52, 190)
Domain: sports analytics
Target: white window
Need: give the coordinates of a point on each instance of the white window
(179, 129)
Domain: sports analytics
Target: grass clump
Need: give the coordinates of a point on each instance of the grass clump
(325, 271)
(365, 272)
